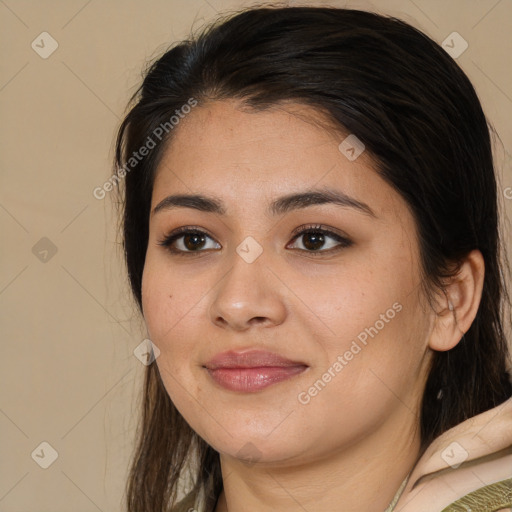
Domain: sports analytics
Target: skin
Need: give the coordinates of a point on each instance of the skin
(352, 445)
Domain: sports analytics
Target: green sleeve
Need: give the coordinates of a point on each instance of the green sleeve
(490, 498)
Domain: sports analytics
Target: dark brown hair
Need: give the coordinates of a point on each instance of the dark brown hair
(420, 119)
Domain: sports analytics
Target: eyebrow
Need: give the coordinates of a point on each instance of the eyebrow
(280, 206)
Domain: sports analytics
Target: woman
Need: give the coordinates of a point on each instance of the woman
(312, 236)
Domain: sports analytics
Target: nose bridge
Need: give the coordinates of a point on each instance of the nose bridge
(248, 290)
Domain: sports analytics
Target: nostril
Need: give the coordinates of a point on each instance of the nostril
(258, 319)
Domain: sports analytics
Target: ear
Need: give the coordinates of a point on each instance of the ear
(460, 303)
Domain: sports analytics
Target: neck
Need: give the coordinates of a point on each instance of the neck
(364, 476)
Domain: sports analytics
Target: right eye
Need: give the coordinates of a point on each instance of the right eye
(186, 240)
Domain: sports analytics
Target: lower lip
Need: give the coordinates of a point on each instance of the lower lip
(248, 380)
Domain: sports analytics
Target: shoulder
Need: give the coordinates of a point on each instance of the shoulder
(469, 467)
(495, 497)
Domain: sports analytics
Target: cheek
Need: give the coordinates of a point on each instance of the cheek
(352, 306)
(156, 303)
(371, 368)
(165, 318)
(163, 302)
(374, 322)
(171, 314)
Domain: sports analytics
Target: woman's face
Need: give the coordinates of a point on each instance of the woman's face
(343, 310)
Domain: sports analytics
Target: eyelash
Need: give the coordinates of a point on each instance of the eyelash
(168, 240)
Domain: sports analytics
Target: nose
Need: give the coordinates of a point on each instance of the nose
(249, 294)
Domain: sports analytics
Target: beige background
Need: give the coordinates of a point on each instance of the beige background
(69, 328)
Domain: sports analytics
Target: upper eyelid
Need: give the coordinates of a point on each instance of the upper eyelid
(297, 232)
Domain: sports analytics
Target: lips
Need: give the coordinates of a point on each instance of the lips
(252, 370)
(250, 359)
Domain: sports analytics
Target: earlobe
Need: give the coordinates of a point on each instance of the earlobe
(460, 303)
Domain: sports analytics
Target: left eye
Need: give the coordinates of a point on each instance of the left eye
(191, 240)
(315, 238)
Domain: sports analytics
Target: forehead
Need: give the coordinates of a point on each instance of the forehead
(220, 126)
(245, 155)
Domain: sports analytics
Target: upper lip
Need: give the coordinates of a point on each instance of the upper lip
(249, 359)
